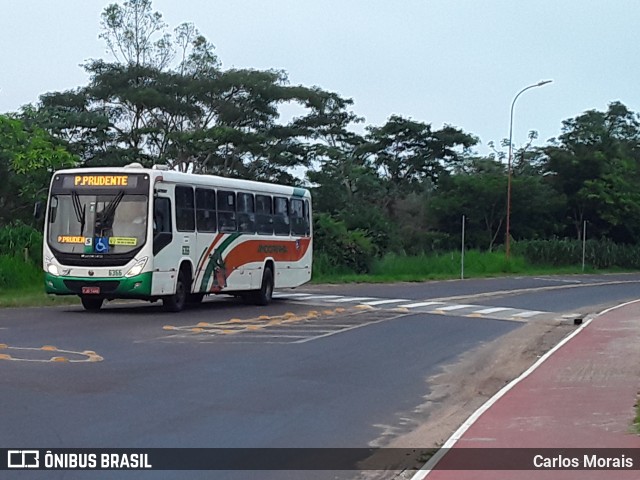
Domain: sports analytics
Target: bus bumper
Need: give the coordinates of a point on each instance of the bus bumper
(138, 286)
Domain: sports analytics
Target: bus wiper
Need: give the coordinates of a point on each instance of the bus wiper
(105, 218)
(110, 209)
(79, 209)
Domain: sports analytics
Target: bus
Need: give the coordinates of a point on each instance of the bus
(157, 234)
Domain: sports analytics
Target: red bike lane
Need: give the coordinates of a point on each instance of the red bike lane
(549, 425)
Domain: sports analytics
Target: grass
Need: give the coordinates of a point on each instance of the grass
(33, 297)
(398, 268)
(22, 285)
(636, 421)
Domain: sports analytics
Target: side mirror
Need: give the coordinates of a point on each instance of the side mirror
(38, 211)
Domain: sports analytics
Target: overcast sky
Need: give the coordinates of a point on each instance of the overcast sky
(437, 61)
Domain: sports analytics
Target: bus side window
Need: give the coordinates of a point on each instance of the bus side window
(281, 216)
(162, 235)
(185, 209)
(206, 210)
(307, 220)
(226, 211)
(297, 217)
(246, 213)
(264, 212)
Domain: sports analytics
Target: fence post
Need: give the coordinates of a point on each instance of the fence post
(462, 252)
(584, 242)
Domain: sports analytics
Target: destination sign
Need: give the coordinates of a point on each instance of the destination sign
(70, 239)
(131, 183)
(101, 180)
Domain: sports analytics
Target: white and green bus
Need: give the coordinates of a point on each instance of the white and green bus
(155, 234)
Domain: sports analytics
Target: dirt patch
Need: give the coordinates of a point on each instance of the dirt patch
(461, 388)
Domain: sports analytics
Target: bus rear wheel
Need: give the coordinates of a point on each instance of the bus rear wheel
(265, 294)
(92, 304)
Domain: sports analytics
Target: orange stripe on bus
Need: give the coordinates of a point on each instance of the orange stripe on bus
(258, 250)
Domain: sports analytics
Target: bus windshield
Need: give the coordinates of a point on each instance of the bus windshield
(105, 223)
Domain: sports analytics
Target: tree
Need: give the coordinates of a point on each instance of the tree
(166, 100)
(595, 163)
(129, 32)
(410, 156)
(28, 156)
(477, 191)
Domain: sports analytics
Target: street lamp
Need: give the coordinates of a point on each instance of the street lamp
(508, 237)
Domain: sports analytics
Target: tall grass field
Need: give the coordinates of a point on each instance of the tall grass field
(22, 279)
(439, 267)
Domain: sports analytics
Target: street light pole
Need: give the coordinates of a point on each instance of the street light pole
(513, 104)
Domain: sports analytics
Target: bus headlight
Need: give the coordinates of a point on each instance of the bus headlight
(53, 270)
(137, 268)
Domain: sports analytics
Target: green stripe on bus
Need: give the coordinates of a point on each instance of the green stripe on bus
(298, 192)
(211, 264)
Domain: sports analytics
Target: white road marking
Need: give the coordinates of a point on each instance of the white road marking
(455, 307)
(529, 313)
(437, 306)
(291, 295)
(420, 304)
(492, 310)
(322, 297)
(382, 302)
(350, 299)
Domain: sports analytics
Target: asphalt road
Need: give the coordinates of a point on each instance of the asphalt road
(323, 366)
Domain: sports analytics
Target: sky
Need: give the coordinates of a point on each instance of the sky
(455, 62)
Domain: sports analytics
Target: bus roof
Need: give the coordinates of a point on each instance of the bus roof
(195, 179)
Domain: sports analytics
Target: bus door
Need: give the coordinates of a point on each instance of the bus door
(174, 236)
(164, 246)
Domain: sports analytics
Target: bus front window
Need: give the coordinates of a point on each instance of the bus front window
(97, 224)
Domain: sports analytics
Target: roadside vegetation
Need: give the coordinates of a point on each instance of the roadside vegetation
(21, 276)
(389, 202)
(636, 420)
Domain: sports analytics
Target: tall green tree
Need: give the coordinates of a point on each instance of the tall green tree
(479, 192)
(28, 155)
(410, 155)
(167, 100)
(595, 163)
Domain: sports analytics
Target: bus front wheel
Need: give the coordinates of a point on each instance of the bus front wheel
(177, 301)
(91, 304)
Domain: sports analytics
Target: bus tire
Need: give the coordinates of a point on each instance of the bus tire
(264, 295)
(177, 301)
(195, 298)
(92, 304)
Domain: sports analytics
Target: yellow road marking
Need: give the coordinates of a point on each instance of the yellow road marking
(23, 355)
(364, 307)
(236, 325)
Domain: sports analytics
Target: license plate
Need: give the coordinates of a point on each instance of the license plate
(91, 290)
